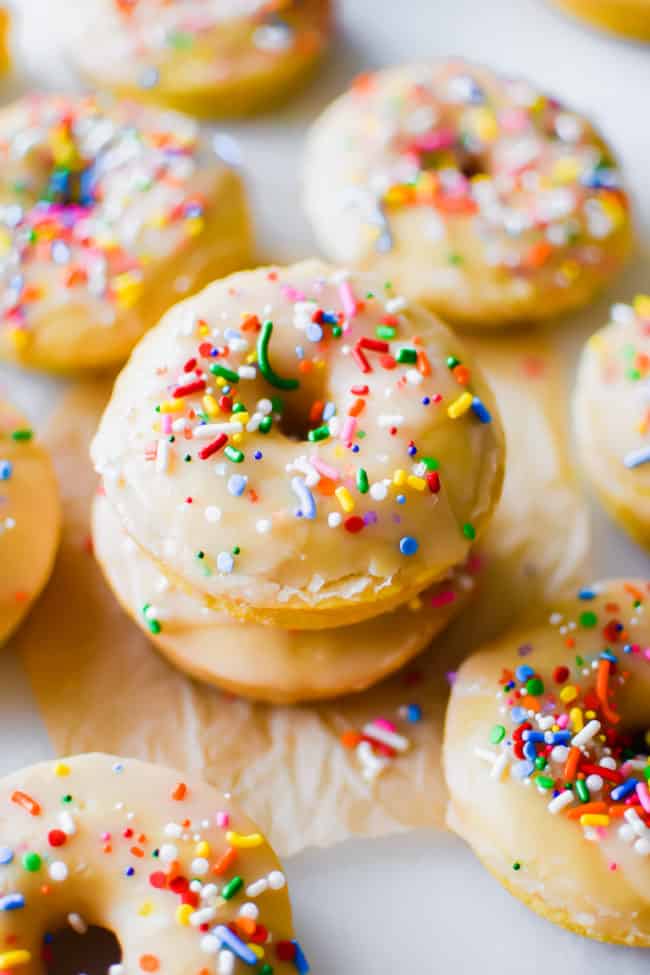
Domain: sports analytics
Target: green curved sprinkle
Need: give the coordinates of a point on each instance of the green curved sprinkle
(263, 361)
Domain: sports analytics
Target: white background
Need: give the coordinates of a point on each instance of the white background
(418, 903)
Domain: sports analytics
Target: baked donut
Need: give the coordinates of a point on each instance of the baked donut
(481, 197)
(30, 518)
(547, 758)
(171, 867)
(612, 416)
(631, 18)
(5, 27)
(204, 57)
(109, 212)
(266, 662)
(301, 446)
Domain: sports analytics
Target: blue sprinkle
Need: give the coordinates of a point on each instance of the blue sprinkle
(300, 352)
(237, 484)
(413, 713)
(356, 449)
(608, 655)
(6, 469)
(225, 562)
(149, 78)
(518, 715)
(408, 545)
(586, 594)
(306, 500)
(12, 902)
(481, 411)
(314, 332)
(426, 400)
(60, 252)
(329, 410)
(231, 333)
(412, 450)
(118, 768)
(129, 872)
(530, 751)
(299, 960)
(330, 317)
(522, 770)
(624, 790)
(628, 648)
(235, 944)
(523, 672)
(6, 855)
(258, 455)
(533, 736)
(401, 499)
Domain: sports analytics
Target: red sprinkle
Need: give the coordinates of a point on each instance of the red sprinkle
(194, 387)
(213, 447)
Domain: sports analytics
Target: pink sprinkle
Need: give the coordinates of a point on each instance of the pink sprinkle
(613, 866)
(563, 720)
(325, 469)
(292, 294)
(167, 423)
(433, 141)
(223, 819)
(644, 795)
(348, 301)
(348, 429)
(385, 724)
(443, 598)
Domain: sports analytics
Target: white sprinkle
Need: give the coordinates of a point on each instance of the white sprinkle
(386, 737)
(396, 305)
(212, 513)
(263, 526)
(168, 852)
(203, 916)
(560, 802)
(594, 783)
(390, 420)
(210, 944)
(225, 562)
(257, 888)
(174, 829)
(162, 456)
(249, 910)
(226, 963)
(378, 491)
(67, 823)
(584, 736)
(277, 880)
(58, 871)
(334, 519)
(77, 923)
(247, 372)
(200, 866)
(207, 431)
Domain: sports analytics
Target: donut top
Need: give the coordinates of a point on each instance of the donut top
(184, 880)
(92, 192)
(29, 517)
(579, 733)
(455, 141)
(294, 432)
(221, 37)
(622, 359)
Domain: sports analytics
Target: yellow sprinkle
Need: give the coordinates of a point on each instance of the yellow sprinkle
(417, 483)
(338, 452)
(459, 406)
(11, 959)
(146, 909)
(242, 417)
(127, 288)
(251, 358)
(589, 715)
(210, 405)
(642, 306)
(173, 405)
(257, 950)
(566, 170)
(577, 720)
(19, 338)
(594, 819)
(571, 270)
(568, 694)
(203, 329)
(399, 478)
(202, 849)
(237, 437)
(345, 499)
(61, 769)
(183, 912)
(244, 842)
(194, 226)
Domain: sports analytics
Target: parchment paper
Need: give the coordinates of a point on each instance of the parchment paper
(101, 685)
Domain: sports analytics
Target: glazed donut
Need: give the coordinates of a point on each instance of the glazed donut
(547, 758)
(266, 662)
(205, 57)
(30, 518)
(631, 18)
(612, 416)
(301, 447)
(108, 214)
(171, 867)
(481, 197)
(5, 51)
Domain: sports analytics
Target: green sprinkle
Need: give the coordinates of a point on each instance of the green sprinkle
(431, 463)
(386, 332)
(265, 424)
(544, 782)
(266, 970)
(32, 862)
(239, 408)
(263, 360)
(235, 550)
(535, 686)
(497, 734)
(469, 531)
(152, 624)
(455, 259)
(362, 481)
(66, 798)
(588, 619)
(200, 555)
(337, 332)
(582, 790)
(22, 434)
(407, 356)
(233, 454)
(452, 362)
(540, 763)
(320, 433)
(231, 888)
(646, 773)
(218, 370)
(516, 865)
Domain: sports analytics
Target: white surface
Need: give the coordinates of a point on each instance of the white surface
(418, 903)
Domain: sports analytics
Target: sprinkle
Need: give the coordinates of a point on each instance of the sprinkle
(460, 406)
(305, 498)
(636, 458)
(244, 842)
(408, 545)
(265, 366)
(345, 499)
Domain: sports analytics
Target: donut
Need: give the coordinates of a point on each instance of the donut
(30, 518)
(266, 662)
(547, 759)
(301, 447)
(5, 51)
(631, 18)
(204, 57)
(109, 212)
(173, 869)
(481, 197)
(612, 416)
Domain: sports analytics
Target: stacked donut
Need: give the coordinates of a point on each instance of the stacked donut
(306, 451)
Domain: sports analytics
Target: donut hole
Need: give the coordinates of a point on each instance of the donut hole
(302, 409)
(68, 952)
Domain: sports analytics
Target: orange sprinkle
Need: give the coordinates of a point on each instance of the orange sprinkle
(149, 963)
(461, 374)
(179, 792)
(316, 411)
(586, 809)
(633, 591)
(619, 810)
(306, 366)
(350, 739)
(602, 690)
(136, 851)
(246, 925)
(250, 324)
(571, 766)
(225, 862)
(326, 486)
(357, 407)
(26, 802)
(538, 254)
(422, 363)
